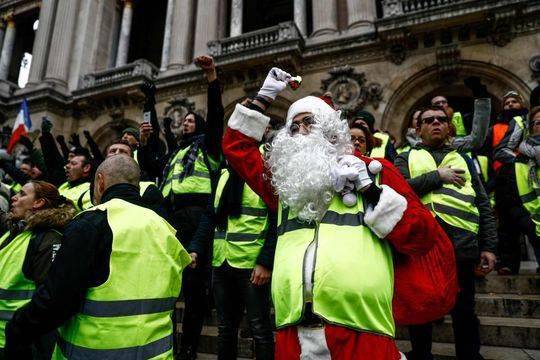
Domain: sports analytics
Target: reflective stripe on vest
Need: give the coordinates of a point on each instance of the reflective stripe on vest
(529, 193)
(198, 183)
(453, 205)
(79, 195)
(457, 121)
(353, 278)
(15, 289)
(241, 243)
(143, 185)
(380, 151)
(129, 316)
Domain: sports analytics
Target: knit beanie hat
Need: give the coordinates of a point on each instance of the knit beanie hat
(131, 131)
(367, 117)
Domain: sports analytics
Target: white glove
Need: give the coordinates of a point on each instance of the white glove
(351, 169)
(275, 82)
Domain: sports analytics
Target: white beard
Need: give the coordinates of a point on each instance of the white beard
(302, 166)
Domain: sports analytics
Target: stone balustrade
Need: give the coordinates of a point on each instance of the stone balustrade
(401, 7)
(137, 68)
(258, 39)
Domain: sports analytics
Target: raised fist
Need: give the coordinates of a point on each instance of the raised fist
(148, 89)
(205, 62)
(46, 125)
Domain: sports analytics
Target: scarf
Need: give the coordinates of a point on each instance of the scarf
(230, 203)
(531, 149)
(188, 161)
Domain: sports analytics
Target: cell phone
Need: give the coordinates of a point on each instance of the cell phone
(146, 117)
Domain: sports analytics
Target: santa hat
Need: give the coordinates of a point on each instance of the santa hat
(309, 104)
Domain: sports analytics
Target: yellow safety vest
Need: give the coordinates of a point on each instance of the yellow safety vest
(79, 195)
(529, 192)
(457, 121)
(353, 279)
(380, 151)
(455, 206)
(244, 237)
(129, 316)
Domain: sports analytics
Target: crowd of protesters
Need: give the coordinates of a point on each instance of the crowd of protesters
(217, 192)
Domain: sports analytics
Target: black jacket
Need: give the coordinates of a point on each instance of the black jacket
(81, 263)
(466, 245)
(153, 162)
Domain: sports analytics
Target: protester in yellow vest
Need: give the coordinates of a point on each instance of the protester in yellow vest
(36, 219)
(79, 170)
(517, 193)
(151, 196)
(333, 271)
(131, 136)
(383, 147)
(188, 177)
(450, 188)
(112, 288)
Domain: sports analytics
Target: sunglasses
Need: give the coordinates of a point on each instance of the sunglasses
(305, 121)
(430, 119)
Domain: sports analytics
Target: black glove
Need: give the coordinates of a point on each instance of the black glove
(26, 142)
(478, 89)
(87, 134)
(60, 139)
(46, 125)
(149, 90)
(167, 121)
(14, 348)
(75, 140)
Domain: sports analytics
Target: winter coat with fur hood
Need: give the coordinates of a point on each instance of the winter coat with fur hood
(46, 227)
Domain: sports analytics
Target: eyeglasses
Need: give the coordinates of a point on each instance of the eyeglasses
(306, 121)
(360, 139)
(430, 119)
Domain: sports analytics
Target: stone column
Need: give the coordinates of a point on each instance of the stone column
(361, 14)
(236, 17)
(300, 16)
(61, 43)
(182, 32)
(324, 17)
(125, 30)
(167, 36)
(2, 32)
(42, 41)
(206, 28)
(7, 48)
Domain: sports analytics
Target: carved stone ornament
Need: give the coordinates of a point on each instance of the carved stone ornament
(501, 28)
(350, 91)
(534, 65)
(177, 110)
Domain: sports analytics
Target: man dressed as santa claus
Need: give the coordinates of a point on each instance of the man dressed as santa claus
(333, 275)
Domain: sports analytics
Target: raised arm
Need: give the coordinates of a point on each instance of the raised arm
(480, 124)
(214, 109)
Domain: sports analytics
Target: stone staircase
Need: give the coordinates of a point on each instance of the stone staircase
(508, 308)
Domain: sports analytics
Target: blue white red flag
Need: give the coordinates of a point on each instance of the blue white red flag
(22, 126)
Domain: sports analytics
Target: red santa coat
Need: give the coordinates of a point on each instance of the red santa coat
(413, 236)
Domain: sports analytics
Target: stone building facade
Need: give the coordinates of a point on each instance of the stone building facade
(89, 57)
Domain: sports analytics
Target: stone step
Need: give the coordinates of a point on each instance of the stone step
(494, 331)
(508, 305)
(447, 351)
(509, 284)
(441, 350)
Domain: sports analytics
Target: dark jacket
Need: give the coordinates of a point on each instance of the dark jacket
(81, 263)
(151, 161)
(466, 245)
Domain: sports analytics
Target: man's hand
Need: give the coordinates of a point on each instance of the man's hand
(145, 129)
(46, 125)
(87, 134)
(26, 142)
(206, 63)
(487, 260)
(149, 90)
(260, 275)
(452, 176)
(75, 140)
(275, 82)
(194, 256)
(351, 169)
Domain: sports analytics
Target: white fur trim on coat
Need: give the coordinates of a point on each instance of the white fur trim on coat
(313, 344)
(389, 210)
(249, 122)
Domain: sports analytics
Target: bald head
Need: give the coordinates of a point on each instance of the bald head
(116, 169)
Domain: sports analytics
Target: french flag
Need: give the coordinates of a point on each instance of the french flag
(22, 126)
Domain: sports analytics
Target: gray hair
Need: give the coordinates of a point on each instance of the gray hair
(119, 169)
